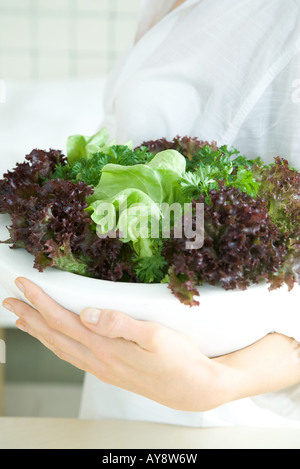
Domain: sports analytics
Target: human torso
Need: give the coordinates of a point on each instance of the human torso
(197, 70)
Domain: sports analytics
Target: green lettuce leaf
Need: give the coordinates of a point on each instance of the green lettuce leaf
(158, 179)
(79, 146)
(142, 188)
(169, 160)
(129, 213)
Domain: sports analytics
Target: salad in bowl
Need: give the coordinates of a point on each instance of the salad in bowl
(100, 212)
(161, 231)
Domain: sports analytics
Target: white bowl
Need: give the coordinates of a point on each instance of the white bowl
(224, 322)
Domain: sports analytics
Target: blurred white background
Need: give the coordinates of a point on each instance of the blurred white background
(60, 39)
(55, 56)
(54, 59)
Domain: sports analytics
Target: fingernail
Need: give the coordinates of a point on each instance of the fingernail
(20, 286)
(21, 326)
(8, 306)
(91, 315)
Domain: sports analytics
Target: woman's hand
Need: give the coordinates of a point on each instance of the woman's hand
(154, 361)
(138, 356)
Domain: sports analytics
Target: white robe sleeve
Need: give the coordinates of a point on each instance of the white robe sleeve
(201, 70)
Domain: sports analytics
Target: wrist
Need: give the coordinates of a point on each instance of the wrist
(229, 381)
(214, 386)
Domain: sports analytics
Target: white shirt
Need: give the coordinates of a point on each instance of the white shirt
(221, 71)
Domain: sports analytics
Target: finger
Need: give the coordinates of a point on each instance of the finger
(56, 316)
(62, 346)
(78, 363)
(116, 325)
(101, 353)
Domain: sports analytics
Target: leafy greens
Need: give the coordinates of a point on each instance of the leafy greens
(58, 208)
(142, 188)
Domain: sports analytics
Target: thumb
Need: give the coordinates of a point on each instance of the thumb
(116, 325)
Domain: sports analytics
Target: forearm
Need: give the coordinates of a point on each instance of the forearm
(154, 361)
(270, 365)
